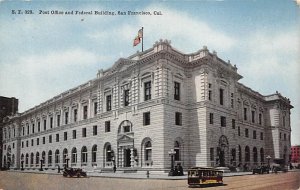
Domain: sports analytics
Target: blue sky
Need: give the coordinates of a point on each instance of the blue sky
(44, 55)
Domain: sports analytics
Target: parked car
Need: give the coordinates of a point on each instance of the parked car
(74, 172)
(261, 170)
(279, 165)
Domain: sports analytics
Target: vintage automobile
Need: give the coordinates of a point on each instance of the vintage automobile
(279, 165)
(261, 170)
(74, 172)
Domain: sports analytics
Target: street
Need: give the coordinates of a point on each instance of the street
(17, 180)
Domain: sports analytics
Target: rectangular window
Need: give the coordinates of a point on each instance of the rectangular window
(176, 90)
(245, 114)
(253, 116)
(85, 109)
(126, 97)
(66, 117)
(280, 136)
(259, 118)
(45, 124)
(232, 101)
(108, 103)
(31, 142)
(27, 131)
(51, 122)
(57, 137)
(83, 132)
(126, 129)
(178, 118)
(75, 115)
(261, 136)
(254, 134)
(283, 121)
(221, 96)
(284, 136)
(211, 118)
(58, 120)
(209, 92)
(211, 154)
(50, 138)
(223, 121)
(22, 144)
(26, 143)
(95, 108)
(23, 131)
(233, 123)
(95, 130)
(44, 140)
(74, 134)
(65, 136)
(33, 128)
(13, 145)
(39, 126)
(146, 118)
(147, 91)
(107, 126)
(246, 133)
(37, 141)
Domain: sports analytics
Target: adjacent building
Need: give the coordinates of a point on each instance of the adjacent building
(146, 106)
(8, 107)
(295, 154)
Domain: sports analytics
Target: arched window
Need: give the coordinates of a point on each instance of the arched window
(108, 153)
(37, 158)
(254, 154)
(74, 156)
(31, 159)
(247, 154)
(148, 153)
(65, 155)
(240, 153)
(49, 158)
(262, 155)
(26, 159)
(22, 159)
(84, 155)
(177, 151)
(57, 156)
(94, 154)
(44, 157)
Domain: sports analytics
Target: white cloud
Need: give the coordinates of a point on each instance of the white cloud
(185, 30)
(40, 77)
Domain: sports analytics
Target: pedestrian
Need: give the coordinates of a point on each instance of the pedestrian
(180, 170)
(115, 168)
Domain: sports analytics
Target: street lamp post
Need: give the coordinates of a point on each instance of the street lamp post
(67, 160)
(22, 164)
(172, 153)
(268, 158)
(41, 169)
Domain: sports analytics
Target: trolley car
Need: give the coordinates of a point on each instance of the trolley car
(204, 176)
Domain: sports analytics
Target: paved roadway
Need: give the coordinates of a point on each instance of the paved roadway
(24, 181)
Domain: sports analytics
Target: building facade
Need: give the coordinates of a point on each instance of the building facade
(134, 113)
(295, 154)
(8, 107)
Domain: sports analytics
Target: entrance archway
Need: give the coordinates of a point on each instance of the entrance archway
(222, 150)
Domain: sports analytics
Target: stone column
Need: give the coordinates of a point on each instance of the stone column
(131, 157)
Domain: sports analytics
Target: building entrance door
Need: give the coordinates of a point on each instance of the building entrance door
(127, 156)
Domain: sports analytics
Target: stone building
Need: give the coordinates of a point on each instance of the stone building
(134, 113)
(8, 107)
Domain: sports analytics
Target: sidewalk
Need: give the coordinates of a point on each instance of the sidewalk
(139, 175)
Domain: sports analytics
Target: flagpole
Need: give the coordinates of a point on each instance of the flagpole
(142, 39)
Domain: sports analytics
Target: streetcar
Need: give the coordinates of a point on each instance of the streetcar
(204, 176)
